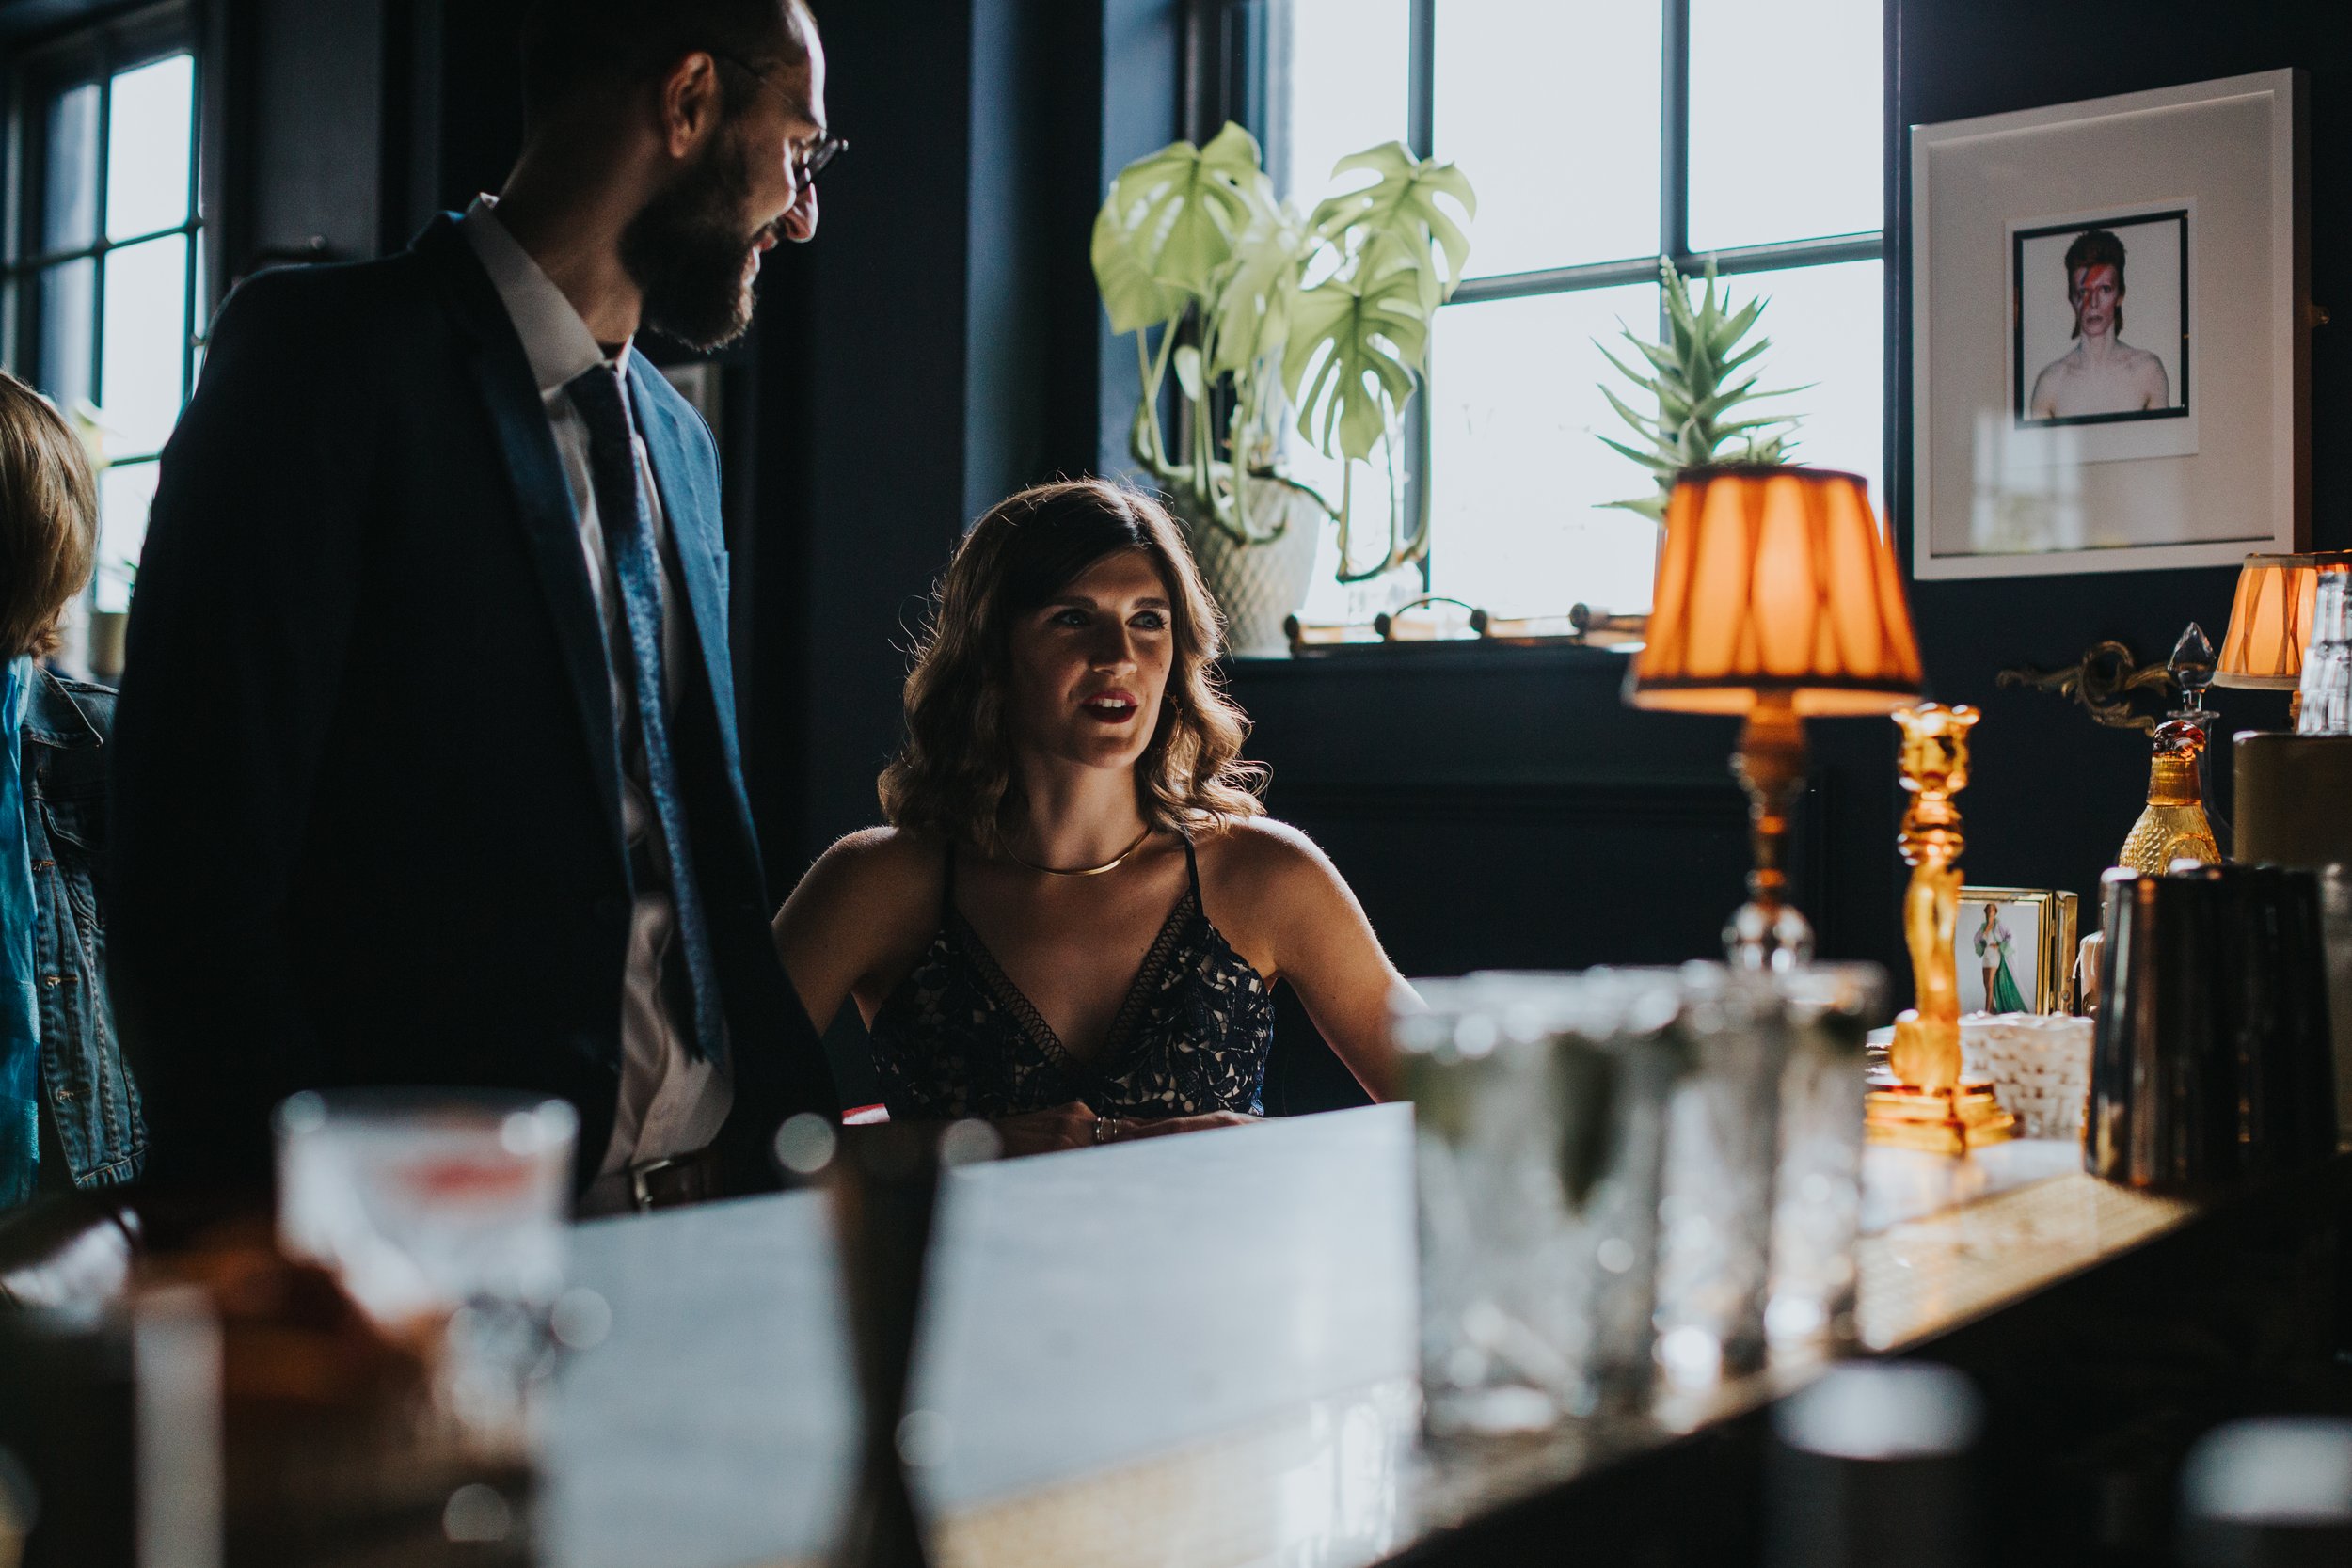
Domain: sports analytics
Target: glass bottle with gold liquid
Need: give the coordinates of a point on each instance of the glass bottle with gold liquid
(2174, 827)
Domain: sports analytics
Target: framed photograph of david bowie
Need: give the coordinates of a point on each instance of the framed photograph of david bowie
(2075, 287)
(2108, 330)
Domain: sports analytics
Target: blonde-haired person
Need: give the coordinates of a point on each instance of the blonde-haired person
(68, 1113)
(1074, 924)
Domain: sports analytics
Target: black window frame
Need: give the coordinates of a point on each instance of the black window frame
(1230, 52)
(37, 75)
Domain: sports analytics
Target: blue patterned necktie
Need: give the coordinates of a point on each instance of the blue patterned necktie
(637, 572)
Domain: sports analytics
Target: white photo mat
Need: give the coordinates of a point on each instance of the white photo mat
(2222, 468)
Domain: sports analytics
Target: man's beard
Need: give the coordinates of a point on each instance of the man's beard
(688, 254)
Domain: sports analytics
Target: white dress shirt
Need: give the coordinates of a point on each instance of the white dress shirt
(670, 1103)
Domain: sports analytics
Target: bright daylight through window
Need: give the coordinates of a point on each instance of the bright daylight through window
(104, 285)
(1599, 134)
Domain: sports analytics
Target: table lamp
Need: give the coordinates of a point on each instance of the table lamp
(1779, 600)
(2271, 624)
(2290, 787)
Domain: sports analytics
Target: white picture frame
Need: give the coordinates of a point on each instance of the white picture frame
(2205, 184)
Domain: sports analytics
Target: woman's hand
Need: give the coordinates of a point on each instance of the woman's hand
(1161, 1127)
(1071, 1126)
(1076, 1126)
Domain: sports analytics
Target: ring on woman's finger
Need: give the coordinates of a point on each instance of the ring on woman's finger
(1103, 1130)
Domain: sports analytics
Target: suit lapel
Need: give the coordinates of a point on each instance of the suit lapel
(535, 471)
(689, 503)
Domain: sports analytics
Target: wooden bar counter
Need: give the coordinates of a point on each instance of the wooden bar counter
(1200, 1350)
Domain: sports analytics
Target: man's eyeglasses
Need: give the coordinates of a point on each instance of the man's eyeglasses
(816, 157)
(811, 162)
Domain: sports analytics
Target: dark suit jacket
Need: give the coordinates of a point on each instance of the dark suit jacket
(366, 788)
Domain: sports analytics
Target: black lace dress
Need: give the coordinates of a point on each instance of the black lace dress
(958, 1038)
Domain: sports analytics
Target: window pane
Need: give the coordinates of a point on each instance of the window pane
(1327, 598)
(145, 331)
(1518, 472)
(1787, 121)
(1339, 84)
(1828, 329)
(64, 301)
(148, 132)
(125, 492)
(1552, 111)
(70, 181)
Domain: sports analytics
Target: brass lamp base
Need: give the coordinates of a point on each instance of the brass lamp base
(1941, 1121)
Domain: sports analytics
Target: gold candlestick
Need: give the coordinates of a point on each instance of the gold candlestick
(1922, 1103)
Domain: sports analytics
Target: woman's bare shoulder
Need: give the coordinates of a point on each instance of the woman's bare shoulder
(1261, 856)
(875, 872)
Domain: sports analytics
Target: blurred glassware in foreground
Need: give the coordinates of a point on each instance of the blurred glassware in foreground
(883, 1183)
(2274, 1492)
(442, 1214)
(422, 1202)
(1869, 1466)
(1715, 1215)
(1540, 1105)
(17, 1505)
(2214, 1060)
(1628, 1170)
(1816, 1209)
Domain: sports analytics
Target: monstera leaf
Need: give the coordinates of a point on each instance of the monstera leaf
(1362, 340)
(1400, 217)
(1250, 318)
(1169, 224)
(1193, 242)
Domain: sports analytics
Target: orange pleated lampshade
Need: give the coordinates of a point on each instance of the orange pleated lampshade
(2271, 620)
(1775, 579)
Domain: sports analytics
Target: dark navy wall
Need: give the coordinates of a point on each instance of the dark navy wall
(2053, 796)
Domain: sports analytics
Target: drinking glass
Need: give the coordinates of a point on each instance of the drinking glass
(1721, 1156)
(425, 1202)
(1816, 1206)
(442, 1212)
(2326, 676)
(1539, 1104)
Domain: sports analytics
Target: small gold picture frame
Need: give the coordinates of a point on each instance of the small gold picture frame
(2015, 948)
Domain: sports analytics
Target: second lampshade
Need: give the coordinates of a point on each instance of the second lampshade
(2270, 620)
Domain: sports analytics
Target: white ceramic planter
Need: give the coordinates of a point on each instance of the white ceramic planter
(1259, 586)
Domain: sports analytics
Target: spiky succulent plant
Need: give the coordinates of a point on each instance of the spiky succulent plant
(1704, 381)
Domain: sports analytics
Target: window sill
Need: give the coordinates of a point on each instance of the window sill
(1468, 654)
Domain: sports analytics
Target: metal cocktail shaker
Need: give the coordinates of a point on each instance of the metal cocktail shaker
(2213, 1060)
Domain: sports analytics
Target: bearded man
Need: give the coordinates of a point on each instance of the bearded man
(426, 769)
(2101, 373)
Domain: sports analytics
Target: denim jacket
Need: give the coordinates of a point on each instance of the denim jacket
(85, 1090)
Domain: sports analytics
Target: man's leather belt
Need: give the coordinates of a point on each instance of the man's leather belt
(667, 1183)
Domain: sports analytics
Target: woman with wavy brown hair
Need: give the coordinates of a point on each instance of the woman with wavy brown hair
(1074, 924)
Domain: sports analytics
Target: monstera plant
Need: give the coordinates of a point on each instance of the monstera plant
(1260, 315)
(1703, 380)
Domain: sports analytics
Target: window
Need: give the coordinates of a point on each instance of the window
(1600, 134)
(104, 294)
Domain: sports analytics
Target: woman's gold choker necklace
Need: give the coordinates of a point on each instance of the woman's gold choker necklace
(1112, 865)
